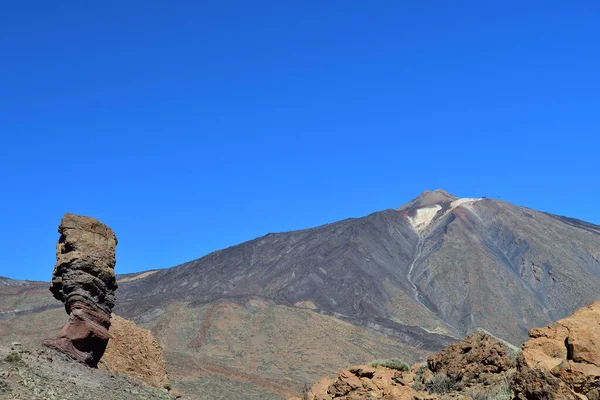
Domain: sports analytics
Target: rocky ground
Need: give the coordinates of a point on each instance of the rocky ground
(38, 373)
(136, 352)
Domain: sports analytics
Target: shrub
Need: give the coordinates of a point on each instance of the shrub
(418, 384)
(500, 391)
(13, 357)
(441, 383)
(392, 363)
(421, 370)
(492, 394)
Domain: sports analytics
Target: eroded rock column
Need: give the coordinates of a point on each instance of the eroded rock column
(84, 280)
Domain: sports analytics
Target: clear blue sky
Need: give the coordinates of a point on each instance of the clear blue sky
(193, 126)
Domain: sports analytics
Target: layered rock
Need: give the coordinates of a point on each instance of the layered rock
(135, 351)
(84, 280)
(562, 360)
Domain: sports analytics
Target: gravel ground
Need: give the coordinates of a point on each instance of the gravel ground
(40, 373)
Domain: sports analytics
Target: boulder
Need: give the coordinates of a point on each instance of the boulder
(84, 280)
(562, 360)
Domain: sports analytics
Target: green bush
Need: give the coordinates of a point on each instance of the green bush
(12, 357)
(392, 363)
(441, 383)
(418, 384)
(421, 370)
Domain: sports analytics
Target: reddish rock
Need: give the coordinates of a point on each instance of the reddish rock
(85, 335)
(84, 280)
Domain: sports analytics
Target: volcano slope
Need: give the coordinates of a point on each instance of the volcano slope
(260, 319)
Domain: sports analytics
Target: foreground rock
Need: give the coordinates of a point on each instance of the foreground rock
(562, 360)
(84, 280)
(136, 352)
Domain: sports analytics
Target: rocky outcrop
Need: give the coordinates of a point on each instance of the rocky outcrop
(84, 280)
(135, 351)
(562, 360)
(477, 359)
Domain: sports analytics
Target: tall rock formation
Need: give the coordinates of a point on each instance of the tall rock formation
(84, 280)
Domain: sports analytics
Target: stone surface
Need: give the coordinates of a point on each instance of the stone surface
(562, 360)
(84, 280)
(135, 351)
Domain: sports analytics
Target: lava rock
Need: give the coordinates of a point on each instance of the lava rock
(84, 280)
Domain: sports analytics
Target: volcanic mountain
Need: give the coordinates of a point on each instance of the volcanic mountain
(259, 319)
(444, 264)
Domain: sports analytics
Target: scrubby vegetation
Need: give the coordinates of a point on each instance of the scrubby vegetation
(418, 385)
(12, 357)
(513, 355)
(500, 391)
(441, 383)
(392, 363)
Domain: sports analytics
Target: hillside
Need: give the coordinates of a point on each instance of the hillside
(260, 319)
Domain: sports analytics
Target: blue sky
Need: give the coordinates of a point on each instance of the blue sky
(193, 126)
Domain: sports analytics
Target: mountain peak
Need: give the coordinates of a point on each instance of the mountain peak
(432, 206)
(443, 192)
(429, 198)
